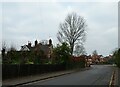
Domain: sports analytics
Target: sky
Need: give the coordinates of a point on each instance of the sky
(118, 25)
(30, 21)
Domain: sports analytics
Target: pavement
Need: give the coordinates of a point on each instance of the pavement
(117, 77)
(34, 78)
(115, 81)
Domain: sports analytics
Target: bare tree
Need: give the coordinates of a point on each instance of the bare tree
(79, 50)
(4, 46)
(12, 48)
(95, 52)
(3, 51)
(72, 30)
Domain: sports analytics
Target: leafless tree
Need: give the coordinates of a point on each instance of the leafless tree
(3, 51)
(72, 30)
(12, 48)
(4, 46)
(95, 52)
(79, 50)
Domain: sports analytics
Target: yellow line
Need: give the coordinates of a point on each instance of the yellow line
(111, 80)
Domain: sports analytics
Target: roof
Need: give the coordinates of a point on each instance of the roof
(24, 48)
(38, 47)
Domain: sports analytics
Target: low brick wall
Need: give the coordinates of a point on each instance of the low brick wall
(14, 71)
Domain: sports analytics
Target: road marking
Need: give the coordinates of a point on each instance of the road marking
(111, 80)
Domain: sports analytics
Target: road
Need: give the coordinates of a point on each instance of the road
(97, 75)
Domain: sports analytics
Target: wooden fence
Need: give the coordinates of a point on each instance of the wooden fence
(14, 71)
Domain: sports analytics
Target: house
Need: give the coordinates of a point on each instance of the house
(78, 58)
(96, 58)
(81, 58)
(46, 48)
(25, 48)
(88, 60)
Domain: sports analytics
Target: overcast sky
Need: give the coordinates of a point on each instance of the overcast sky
(28, 21)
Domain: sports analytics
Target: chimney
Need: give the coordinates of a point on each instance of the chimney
(36, 42)
(29, 44)
(50, 42)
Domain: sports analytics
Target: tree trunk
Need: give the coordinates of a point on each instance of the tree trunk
(72, 47)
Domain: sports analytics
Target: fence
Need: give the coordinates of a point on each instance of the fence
(15, 71)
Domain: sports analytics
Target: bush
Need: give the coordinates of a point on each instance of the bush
(62, 54)
(116, 56)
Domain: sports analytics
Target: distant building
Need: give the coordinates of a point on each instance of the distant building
(46, 48)
(88, 60)
(96, 58)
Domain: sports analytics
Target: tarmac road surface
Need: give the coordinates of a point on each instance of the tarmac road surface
(97, 75)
